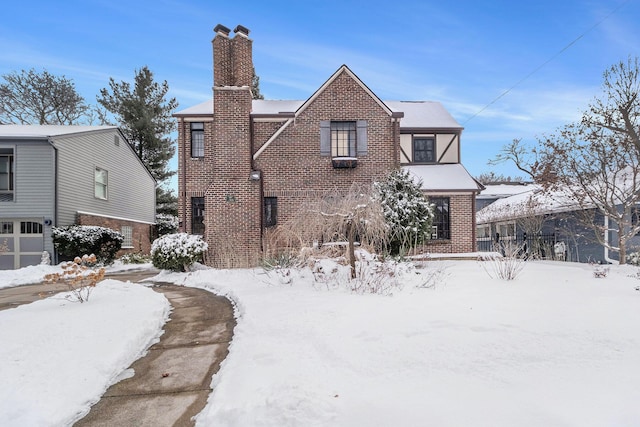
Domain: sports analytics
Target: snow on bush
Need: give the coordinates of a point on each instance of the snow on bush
(406, 210)
(177, 252)
(78, 240)
(633, 258)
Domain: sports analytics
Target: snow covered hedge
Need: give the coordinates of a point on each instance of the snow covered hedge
(177, 252)
(77, 240)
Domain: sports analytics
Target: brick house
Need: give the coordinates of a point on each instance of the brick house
(253, 162)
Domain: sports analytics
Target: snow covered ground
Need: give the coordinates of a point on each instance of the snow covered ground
(555, 347)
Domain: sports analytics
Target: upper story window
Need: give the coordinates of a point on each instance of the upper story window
(197, 139)
(101, 180)
(6, 175)
(424, 150)
(343, 139)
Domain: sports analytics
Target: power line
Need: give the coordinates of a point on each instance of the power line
(547, 61)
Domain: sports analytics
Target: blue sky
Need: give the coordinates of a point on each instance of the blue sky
(464, 54)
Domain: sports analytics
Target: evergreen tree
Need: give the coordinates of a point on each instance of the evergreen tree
(144, 115)
(255, 87)
(406, 209)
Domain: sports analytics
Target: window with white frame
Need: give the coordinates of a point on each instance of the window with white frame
(127, 234)
(6, 175)
(101, 183)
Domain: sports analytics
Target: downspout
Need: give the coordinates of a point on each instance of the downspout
(606, 241)
(183, 174)
(260, 182)
(54, 261)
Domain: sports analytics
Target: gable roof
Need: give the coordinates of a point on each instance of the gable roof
(343, 69)
(413, 114)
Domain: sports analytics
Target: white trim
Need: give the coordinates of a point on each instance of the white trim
(114, 217)
(273, 137)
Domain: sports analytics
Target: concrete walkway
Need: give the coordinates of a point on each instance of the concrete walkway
(171, 383)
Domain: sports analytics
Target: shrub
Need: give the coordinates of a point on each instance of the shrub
(135, 258)
(506, 267)
(177, 252)
(80, 276)
(75, 240)
(633, 258)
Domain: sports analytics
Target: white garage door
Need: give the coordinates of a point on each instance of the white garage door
(21, 242)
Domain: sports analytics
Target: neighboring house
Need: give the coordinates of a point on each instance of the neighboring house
(499, 190)
(246, 165)
(64, 175)
(550, 224)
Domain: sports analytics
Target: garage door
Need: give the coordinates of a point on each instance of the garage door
(21, 242)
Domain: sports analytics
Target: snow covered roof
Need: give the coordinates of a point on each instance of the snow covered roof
(46, 131)
(417, 114)
(498, 191)
(443, 177)
(420, 114)
(535, 201)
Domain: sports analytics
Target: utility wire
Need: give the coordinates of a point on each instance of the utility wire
(547, 61)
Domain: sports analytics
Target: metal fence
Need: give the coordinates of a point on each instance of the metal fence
(539, 246)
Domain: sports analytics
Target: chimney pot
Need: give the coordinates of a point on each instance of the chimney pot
(222, 29)
(242, 30)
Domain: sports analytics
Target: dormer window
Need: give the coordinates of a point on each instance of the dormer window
(424, 150)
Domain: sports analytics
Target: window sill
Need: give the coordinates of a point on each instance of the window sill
(344, 162)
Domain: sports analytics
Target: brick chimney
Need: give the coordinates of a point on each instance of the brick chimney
(232, 57)
(232, 196)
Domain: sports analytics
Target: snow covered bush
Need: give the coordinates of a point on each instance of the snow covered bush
(177, 252)
(633, 258)
(78, 240)
(135, 258)
(406, 210)
(166, 224)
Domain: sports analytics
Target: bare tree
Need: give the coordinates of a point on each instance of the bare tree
(595, 163)
(336, 217)
(32, 97)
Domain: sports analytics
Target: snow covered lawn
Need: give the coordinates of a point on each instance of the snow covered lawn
(58, 357)
(554, 347)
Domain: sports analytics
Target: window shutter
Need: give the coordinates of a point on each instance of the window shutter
(362, 137)
(325, 138)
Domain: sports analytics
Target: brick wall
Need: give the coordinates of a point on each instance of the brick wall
(293, 169)
(141, 235)
(461, 226)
